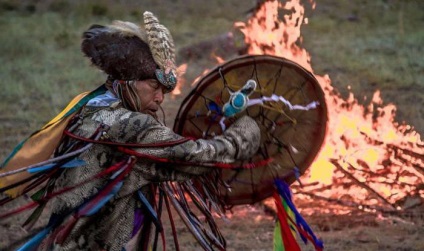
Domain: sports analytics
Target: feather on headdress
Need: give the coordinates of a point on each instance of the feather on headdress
(126, 51)
(162, 46)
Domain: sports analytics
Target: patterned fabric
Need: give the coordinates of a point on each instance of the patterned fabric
(112, 226)
(105, 99)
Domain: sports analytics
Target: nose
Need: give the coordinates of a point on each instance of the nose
(159, 96)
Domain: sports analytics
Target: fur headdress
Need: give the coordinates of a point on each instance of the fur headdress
(126, 51)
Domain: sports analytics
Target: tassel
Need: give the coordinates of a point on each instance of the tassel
(40, 145)
(64, 232)
(98, 201)
(152, 213)
(290, 220)
(35, 241)
(95, 205)
(278, 240)
(288, 239)
(69, 164)
(32, 219)
(108, 191)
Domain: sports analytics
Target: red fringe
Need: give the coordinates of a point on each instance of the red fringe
(219, 165)
(290, 243)
(160, 144)
(64, 190)
(64, 231)
(106, 190)
(19, 210)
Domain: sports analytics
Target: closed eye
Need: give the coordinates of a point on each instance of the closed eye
(154, 84)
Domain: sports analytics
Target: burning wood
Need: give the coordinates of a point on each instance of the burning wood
(367, 157)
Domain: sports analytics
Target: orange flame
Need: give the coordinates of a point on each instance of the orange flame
(181, 70)
(218, 59)
(364, 144)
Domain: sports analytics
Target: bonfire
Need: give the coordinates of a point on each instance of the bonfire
(368, 161)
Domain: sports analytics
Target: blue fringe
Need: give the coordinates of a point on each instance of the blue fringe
(284, 191)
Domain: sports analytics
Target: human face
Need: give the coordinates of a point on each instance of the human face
(151, 94)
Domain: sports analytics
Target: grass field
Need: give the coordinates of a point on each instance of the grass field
(362, 45)
(366, 45)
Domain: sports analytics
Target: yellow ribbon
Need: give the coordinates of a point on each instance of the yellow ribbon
(38, 147)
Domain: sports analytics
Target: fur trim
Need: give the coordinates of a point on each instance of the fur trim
(125, 51)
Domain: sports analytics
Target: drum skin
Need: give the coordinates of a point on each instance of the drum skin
(290, 139)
